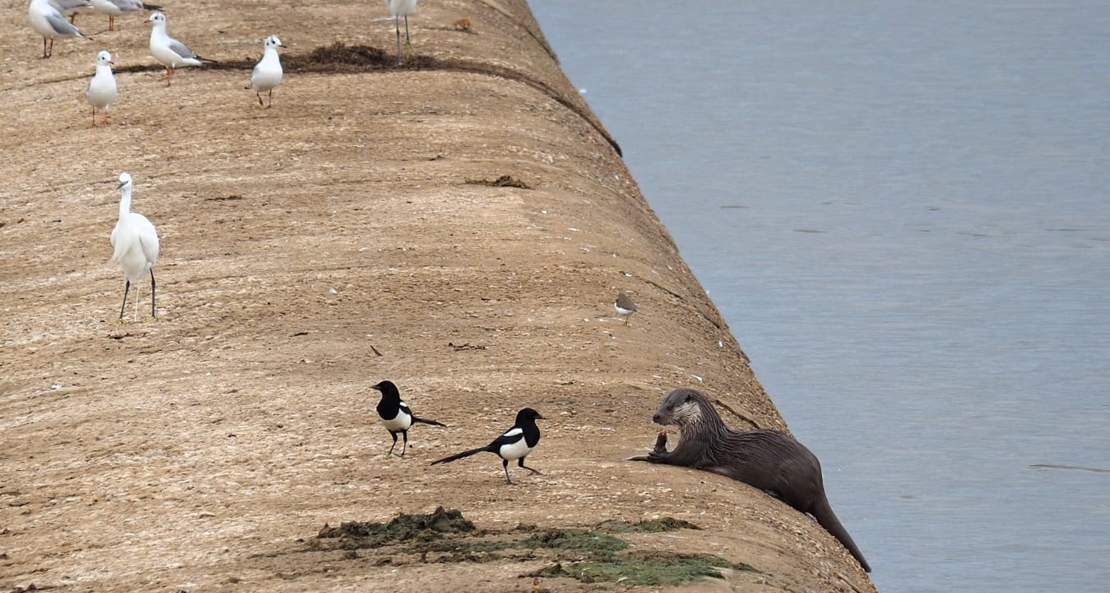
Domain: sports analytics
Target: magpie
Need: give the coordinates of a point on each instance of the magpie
(396, 415)
(516, 443)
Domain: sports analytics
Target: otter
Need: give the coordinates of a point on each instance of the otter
(768, 460)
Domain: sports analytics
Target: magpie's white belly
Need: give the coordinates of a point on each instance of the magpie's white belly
(515, 450)
(399, 424)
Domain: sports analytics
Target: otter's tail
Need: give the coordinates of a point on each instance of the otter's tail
(825, 516)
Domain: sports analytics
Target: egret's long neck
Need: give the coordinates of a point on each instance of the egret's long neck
(125, 202)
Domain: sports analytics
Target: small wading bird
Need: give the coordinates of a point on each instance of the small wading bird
(114, 8)
(47, 20)
(267, 72)
(102, 90)
(134, 244)
(624, 306)
(396, 415)
(515, 444)
(398, 9)
(169, 51)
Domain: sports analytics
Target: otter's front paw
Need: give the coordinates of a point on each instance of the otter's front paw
(660, 444)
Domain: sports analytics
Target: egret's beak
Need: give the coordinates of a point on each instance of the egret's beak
(120, 186)
(112, 62)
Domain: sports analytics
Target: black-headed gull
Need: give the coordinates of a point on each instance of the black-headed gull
(134, 245)
(267, 72)
(114, 8)
(70, 7)
(102, 90)
(169, 51)
(47, 20)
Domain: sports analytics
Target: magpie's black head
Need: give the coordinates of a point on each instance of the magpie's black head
(527, 415)
(387, 388)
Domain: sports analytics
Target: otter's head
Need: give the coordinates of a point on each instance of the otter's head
(681, 407)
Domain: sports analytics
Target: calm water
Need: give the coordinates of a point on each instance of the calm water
(901, 208)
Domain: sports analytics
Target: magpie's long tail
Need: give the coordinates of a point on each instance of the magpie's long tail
(426, 421)
(461, 455)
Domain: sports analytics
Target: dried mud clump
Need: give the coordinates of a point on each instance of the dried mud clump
(502, 181)
(403, 527)
(340, 57)
(463, 25)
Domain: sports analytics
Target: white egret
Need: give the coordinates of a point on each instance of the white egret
(47, 20)
(134, 244)
(169, 51)
(267, 72)
(398, 9)
(102, 90)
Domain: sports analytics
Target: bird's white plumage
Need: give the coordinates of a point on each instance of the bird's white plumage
(267, 72)
(400, 7)
(102, 89)
(68, 7)
(47, 19)
(402, 422)
(134, 240)
(117, 7)
(170, 52)
(514, 450)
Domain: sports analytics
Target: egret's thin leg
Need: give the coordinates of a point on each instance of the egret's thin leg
(152, 294)
(123, 308)
(138, 301)
(408, 42)
(397, 23)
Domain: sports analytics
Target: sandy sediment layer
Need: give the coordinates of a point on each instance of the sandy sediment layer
(357, 231)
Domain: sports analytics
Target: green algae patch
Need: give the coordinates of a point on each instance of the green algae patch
(576, 540)
(644, 569)
(647, 526)
(589, 555)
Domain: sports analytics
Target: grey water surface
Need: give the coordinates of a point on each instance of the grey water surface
(901, 209)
